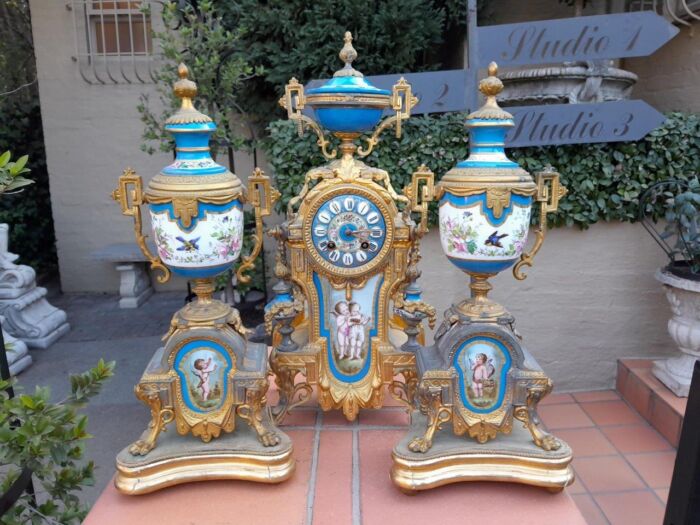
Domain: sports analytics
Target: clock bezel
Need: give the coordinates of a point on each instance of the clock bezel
(371, 265)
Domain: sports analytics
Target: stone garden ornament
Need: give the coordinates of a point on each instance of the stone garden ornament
(207, 380)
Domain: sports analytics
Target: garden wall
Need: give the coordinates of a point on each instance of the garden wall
(589, 299)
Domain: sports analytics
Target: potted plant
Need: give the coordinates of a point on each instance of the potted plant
(677, 202)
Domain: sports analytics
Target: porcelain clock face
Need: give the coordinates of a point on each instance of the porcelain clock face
(348, 233)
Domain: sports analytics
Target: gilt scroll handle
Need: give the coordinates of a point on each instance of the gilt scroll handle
(549, 192)
(262, 197)
(402, 101)
(294, 102)
(130, 197)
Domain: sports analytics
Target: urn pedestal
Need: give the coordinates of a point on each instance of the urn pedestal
(207, 380)
(477, 388)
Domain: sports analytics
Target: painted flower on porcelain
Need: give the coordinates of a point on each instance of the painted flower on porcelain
(467, 234)
(216, 239)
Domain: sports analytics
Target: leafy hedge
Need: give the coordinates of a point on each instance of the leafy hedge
(604, 180)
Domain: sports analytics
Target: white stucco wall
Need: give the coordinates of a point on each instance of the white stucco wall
(589, 299)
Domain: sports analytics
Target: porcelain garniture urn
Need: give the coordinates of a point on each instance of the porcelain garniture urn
(195, 204)
(486, 203)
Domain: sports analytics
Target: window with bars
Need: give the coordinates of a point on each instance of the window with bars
(113, 40)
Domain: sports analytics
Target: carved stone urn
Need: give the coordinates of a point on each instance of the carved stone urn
(684, 328)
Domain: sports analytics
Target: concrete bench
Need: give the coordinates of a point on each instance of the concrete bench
(134, 281)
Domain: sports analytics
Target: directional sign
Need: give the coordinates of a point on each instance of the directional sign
(569, 39)
(623, 120)
(437, 91)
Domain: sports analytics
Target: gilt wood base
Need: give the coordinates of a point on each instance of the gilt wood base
(508, 458)
(183, 459)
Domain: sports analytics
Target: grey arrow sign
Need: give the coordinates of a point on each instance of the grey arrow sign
(569, 39)
(437, 91)
(581, 123)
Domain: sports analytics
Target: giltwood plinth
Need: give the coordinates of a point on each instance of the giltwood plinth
(183, 459)
(508, 458)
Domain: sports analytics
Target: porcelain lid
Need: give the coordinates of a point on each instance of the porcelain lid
(348, 79)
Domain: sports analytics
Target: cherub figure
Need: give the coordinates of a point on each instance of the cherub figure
(203, 369)
(357, 321)
(342, 324)
(482, 369)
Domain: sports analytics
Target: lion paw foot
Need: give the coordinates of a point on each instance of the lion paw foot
(269, 439)
(141, 448)
(420, 445)
(549, 442)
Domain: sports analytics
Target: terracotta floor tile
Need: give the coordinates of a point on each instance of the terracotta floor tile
(300, 417)
(596, 395)
(210, 501)
(567, 415)
(590, 510)
(385, 417)
(636, 438)
(631, 508)
(646, 377)
(333, 498)
(662, 494)
(586, 441)
(638, 363)
(678, 404)
(382, 503)
(638, 394)
(336, 418)
(656, 468)
(621, 377)
(557, 399)
(576, 488)
(606, 474)
(605, 413)
(666, 420)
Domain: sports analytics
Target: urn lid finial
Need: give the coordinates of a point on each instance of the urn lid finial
(490, 87)
(348, 55)
(185, 89)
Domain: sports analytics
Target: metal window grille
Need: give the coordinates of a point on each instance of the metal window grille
(113, 40)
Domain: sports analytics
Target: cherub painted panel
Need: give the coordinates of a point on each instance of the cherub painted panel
(203, 369)
(348, 326)
(482, 364)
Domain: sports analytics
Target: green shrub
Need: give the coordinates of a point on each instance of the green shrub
(297, 38)
(604, 180)
(49, 441)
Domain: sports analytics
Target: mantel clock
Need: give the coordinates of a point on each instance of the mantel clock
(347, 253)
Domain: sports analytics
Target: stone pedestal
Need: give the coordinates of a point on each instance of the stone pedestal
(17, 352)
(28, 315)
(684, 328)
(134, 282)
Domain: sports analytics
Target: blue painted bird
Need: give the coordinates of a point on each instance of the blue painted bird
(188, 245)
(495, 239)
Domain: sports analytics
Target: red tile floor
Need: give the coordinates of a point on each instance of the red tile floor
(623, 465)
(623, 469)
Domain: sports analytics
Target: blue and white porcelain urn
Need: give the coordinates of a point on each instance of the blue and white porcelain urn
(195, 204)
(486, 201)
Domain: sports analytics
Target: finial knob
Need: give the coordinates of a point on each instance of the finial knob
(184, 88)
(491, 85)
(347, 55)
